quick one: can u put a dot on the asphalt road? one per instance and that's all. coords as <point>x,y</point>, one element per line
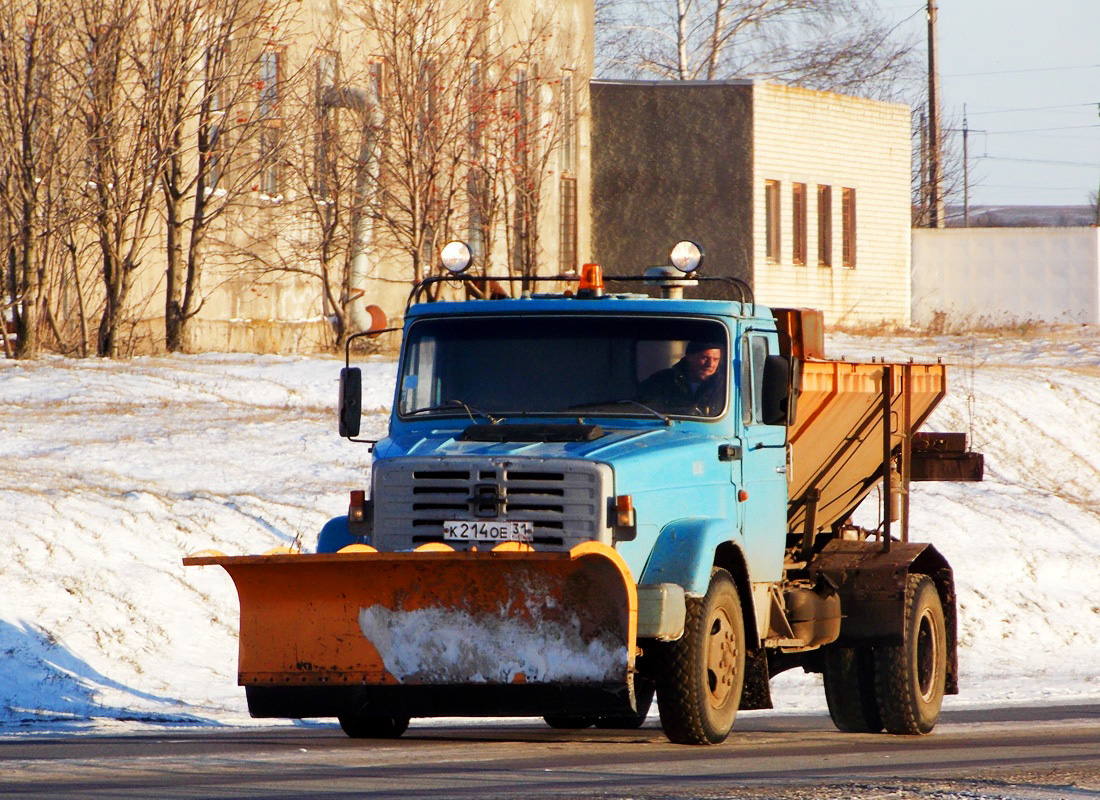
<point>1016,754</point>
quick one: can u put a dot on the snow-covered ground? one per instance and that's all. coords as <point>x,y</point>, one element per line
<point>111,472</point>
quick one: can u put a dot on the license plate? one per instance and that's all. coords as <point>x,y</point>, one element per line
<point>483,531</point>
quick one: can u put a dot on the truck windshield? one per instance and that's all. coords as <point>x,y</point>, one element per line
<point>570,366</point>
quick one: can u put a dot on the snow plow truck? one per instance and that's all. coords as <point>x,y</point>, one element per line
<point>566,517</point>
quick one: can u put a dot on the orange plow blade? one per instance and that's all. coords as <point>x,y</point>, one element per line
<point>435,632</point>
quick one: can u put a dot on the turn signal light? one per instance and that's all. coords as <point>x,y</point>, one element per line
<point>355,507</point>
<point>624,511</point>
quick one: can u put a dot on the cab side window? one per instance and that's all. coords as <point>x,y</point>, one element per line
<point>754,352</point>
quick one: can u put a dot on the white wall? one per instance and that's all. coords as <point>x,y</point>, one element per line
<point>993,276</point>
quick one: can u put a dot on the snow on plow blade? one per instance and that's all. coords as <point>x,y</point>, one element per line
<point>435,632</point>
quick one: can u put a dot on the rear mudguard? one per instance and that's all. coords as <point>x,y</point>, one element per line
<point>435,632</point>
<point>871,583</point>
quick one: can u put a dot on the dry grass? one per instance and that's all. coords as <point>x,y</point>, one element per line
<point>941,325</point>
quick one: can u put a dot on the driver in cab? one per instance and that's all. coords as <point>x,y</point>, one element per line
<point>693,385</point>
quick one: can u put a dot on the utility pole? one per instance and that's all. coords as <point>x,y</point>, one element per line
<point>966,172</point>
<point>923,219</point>
<point>935,144</point>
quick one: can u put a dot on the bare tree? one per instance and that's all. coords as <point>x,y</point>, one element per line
<point>218,129</point>
<point>837,45</point>
<point>429,52</point>
<point>31,36</point>
<point>115,107</point>
<point>432,123</point>
<point>334,163</point>
<point>951,168</point>
<point>543,103</point>
<point>514,133</point>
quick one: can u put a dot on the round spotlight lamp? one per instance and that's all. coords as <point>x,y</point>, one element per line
<point>687,256</point>
<point>456,257</point>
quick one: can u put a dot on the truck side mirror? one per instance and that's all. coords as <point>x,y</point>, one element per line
<point>775,405</point>
<point>351,400</point>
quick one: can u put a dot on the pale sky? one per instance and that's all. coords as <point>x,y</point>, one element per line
<point>1029,74</point>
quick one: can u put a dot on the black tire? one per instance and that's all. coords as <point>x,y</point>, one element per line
<point>849,676</point>
<point>567,723</point>
<point>643,697</point>
<point>701,675</point>
<point>360,727</point>
<point>909,678</point>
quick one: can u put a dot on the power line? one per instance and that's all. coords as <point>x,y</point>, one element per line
<point>1044,137</point>
<point>918,11</point>
<point>1034,188</point>
<point>1015,71</point>
<point>1034,108</point>
<point>1045,130</point>
<point>1042,161</point>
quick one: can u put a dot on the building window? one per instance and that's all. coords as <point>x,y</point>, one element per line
<point>271,177</point>
<point>477,180</point>
<point>376,75</point>
<point>848,227</point>
<point>567,244</point>
<point>475,224</point>
<point>213,145</point>
<point>271,76</point>
<point>568,123</point>
<point>216,154</point>
<point>327,64</point>
<point>798,228</point>
<point>328,122</point>
<point>523,214</point>
<point>771,220</point>
<point>270,86</point>
<point>825,226</point>
<point>478,111</point>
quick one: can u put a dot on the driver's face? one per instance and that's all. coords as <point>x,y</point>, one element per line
<point>703,364</point>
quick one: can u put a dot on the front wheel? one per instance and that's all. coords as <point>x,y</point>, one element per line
<point>569,723</point>
<point>910,677</point>
<point>361,727</point>
<point>700,676</point>
<point>643,698</point>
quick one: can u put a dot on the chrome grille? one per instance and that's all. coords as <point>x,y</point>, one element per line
<point>566,500</point>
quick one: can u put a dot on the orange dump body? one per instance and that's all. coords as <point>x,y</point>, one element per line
<point>837,442</point>
<point>436,618</point>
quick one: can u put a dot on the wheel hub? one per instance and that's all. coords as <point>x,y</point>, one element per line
<point>721,658</point>
<point>927,656</point>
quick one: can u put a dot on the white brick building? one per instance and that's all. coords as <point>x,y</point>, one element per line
<point>804,194</point>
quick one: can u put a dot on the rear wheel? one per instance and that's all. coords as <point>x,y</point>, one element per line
<point>910,677</point>
<point>849,676</point>
<point>701,675</point>
<point>361,727</point>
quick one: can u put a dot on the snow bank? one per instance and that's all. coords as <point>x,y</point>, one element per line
<point>113,471</point>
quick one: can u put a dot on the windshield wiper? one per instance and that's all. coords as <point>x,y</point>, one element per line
<point>597,403</point>
<point>450,405</point>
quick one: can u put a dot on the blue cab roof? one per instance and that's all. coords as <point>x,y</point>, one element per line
<point>608,304</point>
